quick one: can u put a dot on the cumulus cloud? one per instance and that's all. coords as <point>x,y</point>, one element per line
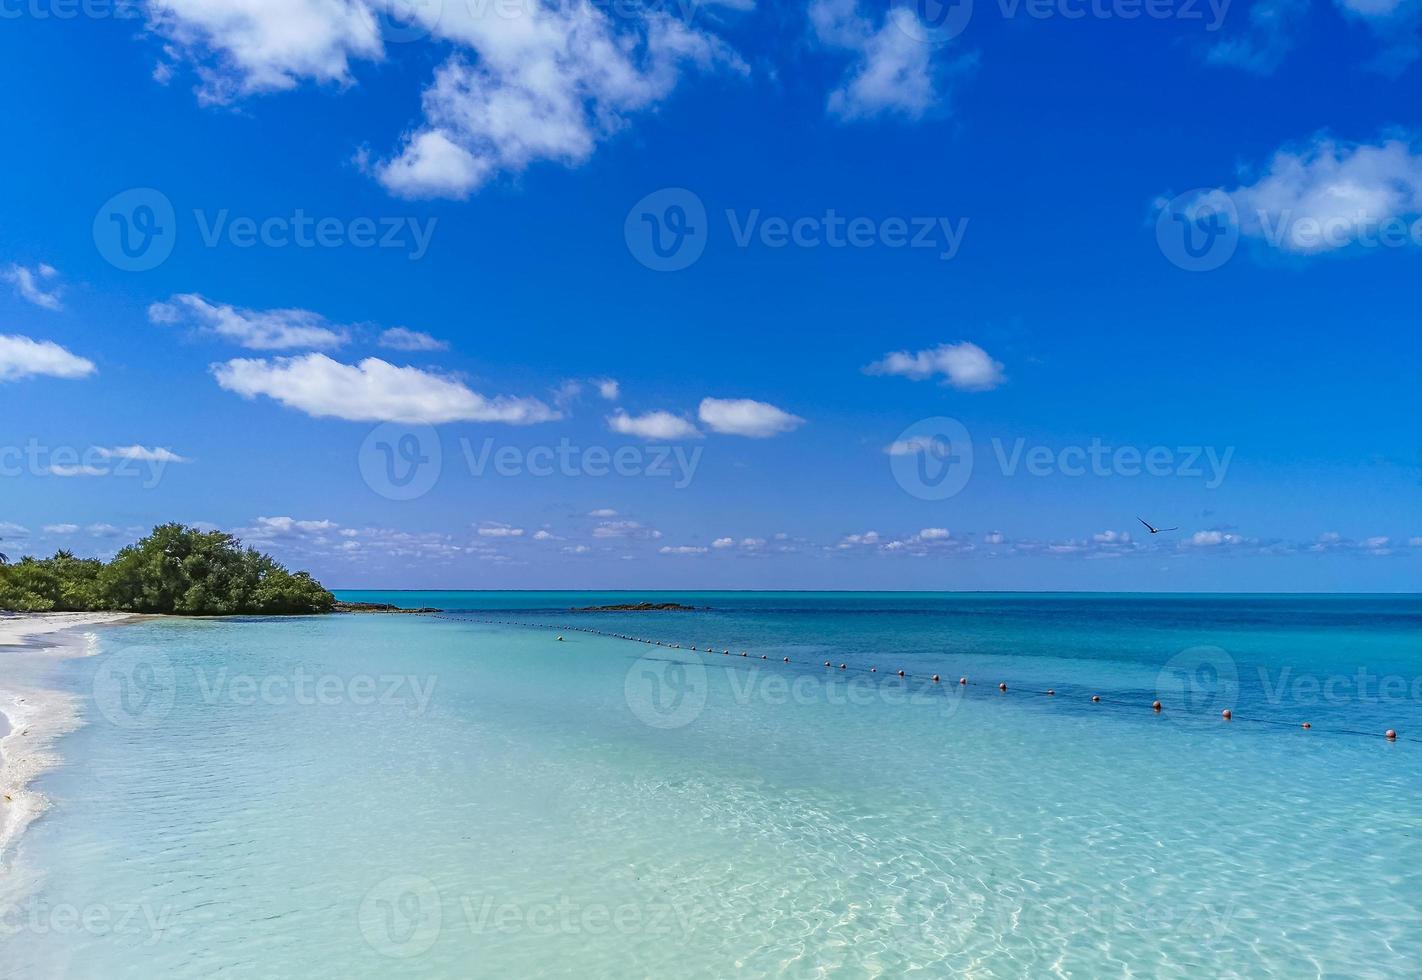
<point>252,329</point>
<point>247,46</point>
<point>602,512</point>
<point>919,446</point>
<point>1329,195</point>
<point>625,529</point>
<point>681,550</point>
<point>399,338</point>
<point>867,539</point>
<point>371,391</point>
<point>608,389</point>
<point>744,417</point>
<point>31,284</point>
<point>652,425</point>
<point>545,535</point>
<point>893,72</point>
<point>547,85</point>
<point>142,454</point>
<point>61,529</point>
<point>724,543</point>
<point>22,357</point>
<point>493,529</point>
<point>964,366</point>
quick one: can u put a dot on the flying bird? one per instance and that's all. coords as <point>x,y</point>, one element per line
<point>1157,530</point>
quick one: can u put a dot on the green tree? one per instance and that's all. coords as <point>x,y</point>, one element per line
<point>176,569</point>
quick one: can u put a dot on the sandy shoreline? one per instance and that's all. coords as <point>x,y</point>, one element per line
<point>35,718</point>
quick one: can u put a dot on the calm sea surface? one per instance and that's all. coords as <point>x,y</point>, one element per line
<point>469,796</point>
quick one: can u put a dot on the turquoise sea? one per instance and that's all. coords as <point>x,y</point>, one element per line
<point>470,796</point>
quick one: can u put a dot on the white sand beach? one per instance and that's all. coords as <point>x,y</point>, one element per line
<point>34,718</point>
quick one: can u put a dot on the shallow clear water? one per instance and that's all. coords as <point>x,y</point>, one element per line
<point>392,796</point>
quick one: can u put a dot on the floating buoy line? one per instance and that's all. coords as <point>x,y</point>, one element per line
<point>1227,715</point>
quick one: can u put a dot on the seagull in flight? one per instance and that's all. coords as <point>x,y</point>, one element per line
<point>1157,530</point>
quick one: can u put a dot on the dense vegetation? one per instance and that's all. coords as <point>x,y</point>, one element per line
<point>175,569</point>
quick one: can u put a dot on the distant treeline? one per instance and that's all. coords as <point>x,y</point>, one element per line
<point>176,570</point>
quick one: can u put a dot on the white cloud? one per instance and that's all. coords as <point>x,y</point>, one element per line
<point>29,283</point>
<point>724,543</point>
<point>399,338</point>
<point>652,425</point>
<point>142,454</point>
<point>545,536</point>
<point>964,366</point>
<point>681,550</point>
<point>1329,195</point>
<point>61,528</point>
<point>21,357</point>
<point>1415,542</point>
<point>433,165</point>
<point>1273,26</point>
<point>867,539</point>
<point>284,526</point>
<point>546,85</point>
<point>625,529</point>
<point>372,391</point>
<point>252,329</point>
<point>895,70</point>
<point>247,46</point>
<point>919,446</point>
<point>602,512</point>
<point>744,417</point>
<point>493,529</point>
<point>752,544</point>
<point>576,549</point>
<point>608,388</point>
<point>8,530</point>
<point>104,530</point>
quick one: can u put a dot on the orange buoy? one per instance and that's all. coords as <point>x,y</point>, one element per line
<point>1391,735</point>
<point>1226,714</point>
<point>1002,687</point>
<point>1155,706</point>
<point>935,678</point>
<point>1096,697</point>
<point>1306,725</point>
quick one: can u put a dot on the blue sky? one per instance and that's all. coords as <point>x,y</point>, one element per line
<point>749,247</point>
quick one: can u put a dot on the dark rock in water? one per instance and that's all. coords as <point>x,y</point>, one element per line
<point>638,607</point>
<point>380,607</point>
